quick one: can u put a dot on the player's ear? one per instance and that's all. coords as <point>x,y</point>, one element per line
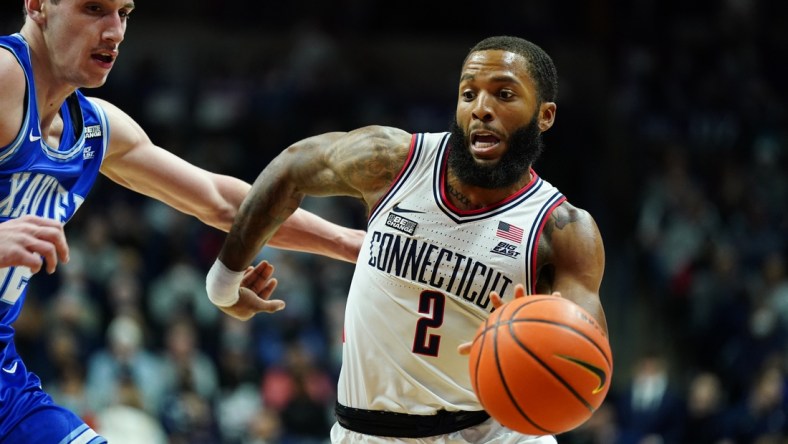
<point>35,10</point>
<point>546,115</point>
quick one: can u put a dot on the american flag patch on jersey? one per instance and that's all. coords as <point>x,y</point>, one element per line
<point>509,232</point>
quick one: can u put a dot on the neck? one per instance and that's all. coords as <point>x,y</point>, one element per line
<point>51,91</point>
<point>470,197</point>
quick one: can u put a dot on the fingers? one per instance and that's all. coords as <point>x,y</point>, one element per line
<point>27,259</point>
<point>268,289</point>
<point>39,249</point>
<point>256,278</point>
<point>250,303</point>
<point>259,281</point>
<point>519,291</point>
<point>496,299</point>
<point>465,349</point>
<point>256,303</point>
<point>271,306</point>
<point>263,270</point>
<point>31,241</point>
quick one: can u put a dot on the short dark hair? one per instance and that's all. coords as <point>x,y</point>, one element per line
<point>540,65</point>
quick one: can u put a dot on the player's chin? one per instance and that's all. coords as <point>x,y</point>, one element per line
<point>489,156</point>
<point>487,162</point>
<point>92,83</point>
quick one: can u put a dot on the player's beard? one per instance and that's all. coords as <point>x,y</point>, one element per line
<point>524,147</point>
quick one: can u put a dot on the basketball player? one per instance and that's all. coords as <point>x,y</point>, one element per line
<point>453,218</point>
<point>53,143</point>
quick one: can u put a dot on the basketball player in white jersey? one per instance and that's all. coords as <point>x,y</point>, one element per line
<point>54,141</point>
<point>453,217</point>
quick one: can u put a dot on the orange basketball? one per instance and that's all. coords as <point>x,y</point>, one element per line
<point>540,365</point>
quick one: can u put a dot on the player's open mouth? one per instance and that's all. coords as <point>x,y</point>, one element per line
<point>105,58</point>
<point>483,142</point>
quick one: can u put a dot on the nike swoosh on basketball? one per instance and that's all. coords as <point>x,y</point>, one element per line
<point>397,209</point>
<point>598,372</point>
<point>11,370</point>
<point>33,138</point>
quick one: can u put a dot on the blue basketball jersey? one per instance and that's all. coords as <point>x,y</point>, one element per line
<point>46,181</point>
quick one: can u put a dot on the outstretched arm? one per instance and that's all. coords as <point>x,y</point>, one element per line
<point>136,163</point>
<point>572,260</point>
<point>361,163</point>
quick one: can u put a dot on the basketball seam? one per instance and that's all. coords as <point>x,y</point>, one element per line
<point>506,385</point>
<point>566,327</point>
<point>550,370</point>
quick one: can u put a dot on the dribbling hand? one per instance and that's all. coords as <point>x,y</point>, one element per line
<point>256,289</point>
<point>519,292</point>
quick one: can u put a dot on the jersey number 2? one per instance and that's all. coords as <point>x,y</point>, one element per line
<point>432,305</point>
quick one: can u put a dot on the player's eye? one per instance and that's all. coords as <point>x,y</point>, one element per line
<point>468,95</point>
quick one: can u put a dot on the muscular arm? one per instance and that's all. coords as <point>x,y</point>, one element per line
<point>136,163</point>
<point>12,97</point>
<point>361,163</point>
<point>572,259</point>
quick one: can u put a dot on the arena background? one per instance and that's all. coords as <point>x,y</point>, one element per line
<point>671,131</point>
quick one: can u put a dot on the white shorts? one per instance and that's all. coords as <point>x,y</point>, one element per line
<point>488,432</point>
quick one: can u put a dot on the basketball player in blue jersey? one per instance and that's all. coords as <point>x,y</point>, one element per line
<point>54,142</point>
<point>457,222</point>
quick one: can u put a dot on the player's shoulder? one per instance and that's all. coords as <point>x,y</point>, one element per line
<point>116,117</point>
<point>12,96</point>
<point>12,76</point>
<point>568,216</point>
<point>572,231</point>
<point>106,106</point>
<point>377,139</point>
<point>568,211</point>
<point>381,134</point>
<point>8,62</point>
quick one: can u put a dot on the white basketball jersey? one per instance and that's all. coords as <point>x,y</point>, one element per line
<point>422,283</point>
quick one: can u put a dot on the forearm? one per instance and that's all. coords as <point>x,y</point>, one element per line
<point>307,232</point>
<point>271,200</point>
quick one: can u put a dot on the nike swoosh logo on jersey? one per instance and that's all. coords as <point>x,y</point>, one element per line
<point>397,209</point>
<point>11,370</point>
<point>33,138</point>
<point>598,372</point>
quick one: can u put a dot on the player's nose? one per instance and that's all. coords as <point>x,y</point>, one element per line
<point>482,109</point>
<point>114,30</point>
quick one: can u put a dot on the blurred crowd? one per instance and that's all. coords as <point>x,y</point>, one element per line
<point>671,131</point>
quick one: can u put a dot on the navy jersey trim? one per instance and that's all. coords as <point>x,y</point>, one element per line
<point>68,119</point>
<point>414,156</point>
<point>534,234</point>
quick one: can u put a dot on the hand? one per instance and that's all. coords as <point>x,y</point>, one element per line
<point>30,240</point>
<point>256,287</point>
<point>519,292</point>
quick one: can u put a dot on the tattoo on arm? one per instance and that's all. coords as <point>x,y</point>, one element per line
<point>564,218</point>
<point>559,219</point>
